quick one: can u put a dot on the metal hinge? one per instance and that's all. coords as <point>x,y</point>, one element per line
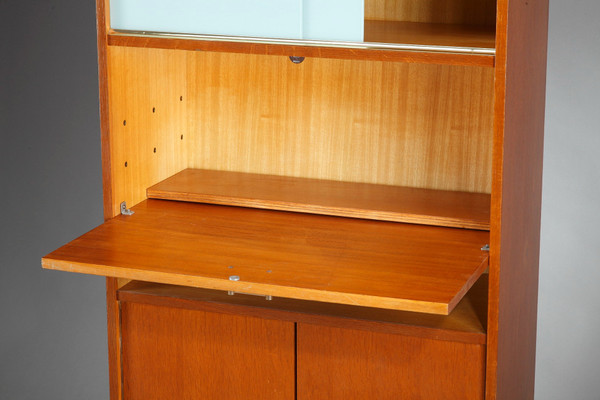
<point>125,210</point>
<point>236,278</point>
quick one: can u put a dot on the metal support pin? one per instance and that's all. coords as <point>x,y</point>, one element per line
<point>486,247</point>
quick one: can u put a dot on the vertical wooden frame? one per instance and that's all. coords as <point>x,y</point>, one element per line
<point>102,26</point>
<point>521,49</point>
<point>112,285</point>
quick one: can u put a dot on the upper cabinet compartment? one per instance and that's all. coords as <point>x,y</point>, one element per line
<point>282,19</point>
<point>338,20</point>
<point>447,27</point>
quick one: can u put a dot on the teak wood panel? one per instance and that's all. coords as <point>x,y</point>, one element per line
<point>331,259</point>
<point>173,353</point>
<point>346,364</point>
<point>429,34</point>
<point>346,199</point>
<point>465,324</point>
<point>465,12</point>
<point>427,126</point>
<point>516,198</point>
<point>148,120</point>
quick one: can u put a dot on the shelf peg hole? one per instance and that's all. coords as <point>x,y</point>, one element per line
<point>153,109</point>
<point>125,164</point>
<point>155,149</point>
<point>124,122</point>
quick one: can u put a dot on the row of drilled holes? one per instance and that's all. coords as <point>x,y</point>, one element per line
<point>153,111</point>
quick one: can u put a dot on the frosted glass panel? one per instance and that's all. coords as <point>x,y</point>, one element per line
<point>341,20</point>
<point>287,19</point>
<point>260,18</point>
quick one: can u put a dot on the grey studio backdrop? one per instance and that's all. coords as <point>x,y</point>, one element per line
<point>52,324</point>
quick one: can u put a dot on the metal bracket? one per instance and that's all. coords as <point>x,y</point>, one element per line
<point>486,247</point>
<point>125,210</point>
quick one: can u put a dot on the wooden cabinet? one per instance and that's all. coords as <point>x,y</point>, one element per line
<point>177,353</point>
<point>342,363</point>
<point>323,219</point>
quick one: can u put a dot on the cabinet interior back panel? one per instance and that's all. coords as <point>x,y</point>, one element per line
<point>467,12</point>
<point>427,126</point>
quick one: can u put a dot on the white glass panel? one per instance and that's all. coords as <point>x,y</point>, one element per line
<point>258,18</point>
<point>286,19</point>
<point>341,20</point>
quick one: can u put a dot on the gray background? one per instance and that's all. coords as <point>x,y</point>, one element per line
<point>52,324</point>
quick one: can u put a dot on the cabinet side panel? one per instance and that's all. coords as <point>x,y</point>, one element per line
<point>346,364</point>
<point>173,353</point>
<point>101,27</point>
<point>113,314</point>
<point>516,197</point>
<point>348,120</point>
<point>148,119</point>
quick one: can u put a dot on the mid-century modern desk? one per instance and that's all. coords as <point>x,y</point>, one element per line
<point>292,213</point>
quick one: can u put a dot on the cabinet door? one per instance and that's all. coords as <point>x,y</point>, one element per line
<point>336,363</point>
<point>174,353</point>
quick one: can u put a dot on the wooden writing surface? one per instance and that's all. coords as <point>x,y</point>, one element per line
<point>331,259</point>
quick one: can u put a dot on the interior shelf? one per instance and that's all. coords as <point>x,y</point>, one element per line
<point>469,38</point>
<point>303,256</point>
<point>346,199</point>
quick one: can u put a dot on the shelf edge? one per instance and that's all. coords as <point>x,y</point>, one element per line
<point>252,288</point>
<point>301,49</point>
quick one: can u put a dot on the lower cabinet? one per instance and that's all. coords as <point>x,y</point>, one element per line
<point>185,344</point>
<point>340,363</point>
<point>179,354</point>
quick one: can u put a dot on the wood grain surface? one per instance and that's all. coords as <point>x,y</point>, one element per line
<point>426,126</point>
<point>171,353</point>
<point>346,199</point>
<point>516,198</point>
<point>113,324</point>
<point>469,36</point>
<point>347,364</point>
<point>102,25</point>
<point>148,121</point>
<point>465,324</point>
<point>330,259</point>
<point>464,12</point>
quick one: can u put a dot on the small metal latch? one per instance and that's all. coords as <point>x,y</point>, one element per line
<point>486,247</point>
<point>296,60</point>
<point>125,210</point>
